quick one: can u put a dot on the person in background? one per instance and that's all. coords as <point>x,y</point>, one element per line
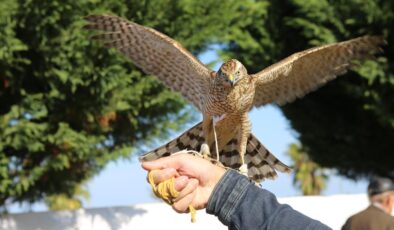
<point>232,197</point>
<point>378,214</point>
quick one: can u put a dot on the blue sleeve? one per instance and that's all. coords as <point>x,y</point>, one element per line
<point>240,204</point>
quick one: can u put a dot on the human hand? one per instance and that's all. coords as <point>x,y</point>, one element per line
<point>195,178</point>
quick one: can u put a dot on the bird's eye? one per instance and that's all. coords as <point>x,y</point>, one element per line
<point>237,73</point>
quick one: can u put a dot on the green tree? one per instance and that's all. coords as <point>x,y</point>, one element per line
<point>309,177</point>
<point>62,201</point>
<point>347,124</point>
<point>69,106</point>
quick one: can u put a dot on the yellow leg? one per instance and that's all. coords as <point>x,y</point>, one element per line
<point>210,135</point>
<point>243,141</point>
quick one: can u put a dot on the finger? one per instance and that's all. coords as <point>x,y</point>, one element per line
<point>164,162</point>
<point>182,206</point>
<point>190,187</point>
<point>181,182</point>
<point>163,175</point>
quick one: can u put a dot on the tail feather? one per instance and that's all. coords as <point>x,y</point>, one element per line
<point>261,162</point>
<point>192,139</point>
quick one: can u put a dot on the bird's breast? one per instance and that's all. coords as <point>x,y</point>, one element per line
<point>237,100</point>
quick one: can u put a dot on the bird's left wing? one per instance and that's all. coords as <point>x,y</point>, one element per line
<point>305,71</point>
<point>156,54</point>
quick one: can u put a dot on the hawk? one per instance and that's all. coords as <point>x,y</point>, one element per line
<point>225,97</point>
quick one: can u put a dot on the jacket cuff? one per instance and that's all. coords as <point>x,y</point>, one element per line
<point>227,195</point>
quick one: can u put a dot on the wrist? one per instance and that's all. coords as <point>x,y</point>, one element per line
<point>218,174</point>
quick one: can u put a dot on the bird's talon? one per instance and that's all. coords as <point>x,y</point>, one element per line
<point>244,169</point>
<point>204,151</point>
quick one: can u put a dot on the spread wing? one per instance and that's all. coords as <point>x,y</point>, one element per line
<point>305,71</point>
<point>155,53</point>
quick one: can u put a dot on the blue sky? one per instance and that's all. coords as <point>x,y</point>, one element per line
<point>124,183</point>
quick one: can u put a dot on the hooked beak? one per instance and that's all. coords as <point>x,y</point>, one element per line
<point>231,79</point>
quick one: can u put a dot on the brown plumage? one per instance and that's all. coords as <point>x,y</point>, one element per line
<point>225,97</point>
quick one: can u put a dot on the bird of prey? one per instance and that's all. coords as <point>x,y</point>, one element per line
<point>225,97</point>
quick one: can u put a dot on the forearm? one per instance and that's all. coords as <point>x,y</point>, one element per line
<point>240,204</point>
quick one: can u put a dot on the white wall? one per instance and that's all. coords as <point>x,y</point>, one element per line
<point>331,210</point>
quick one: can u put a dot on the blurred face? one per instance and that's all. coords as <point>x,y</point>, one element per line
<point>386,201</point>
<point>390,203</point>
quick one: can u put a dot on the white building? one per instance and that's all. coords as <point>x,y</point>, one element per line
<point>331,210</point>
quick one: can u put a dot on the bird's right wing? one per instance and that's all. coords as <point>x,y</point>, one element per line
<point>156,54</point>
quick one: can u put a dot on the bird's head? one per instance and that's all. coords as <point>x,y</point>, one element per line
<point>231,72</point>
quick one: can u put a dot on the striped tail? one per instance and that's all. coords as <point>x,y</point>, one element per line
<point>192,139</point>
<point>261,162</point>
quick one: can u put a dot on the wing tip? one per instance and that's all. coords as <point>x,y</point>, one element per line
<point>374,42</point>
<point>94,17</point>
<point>94,20</point>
